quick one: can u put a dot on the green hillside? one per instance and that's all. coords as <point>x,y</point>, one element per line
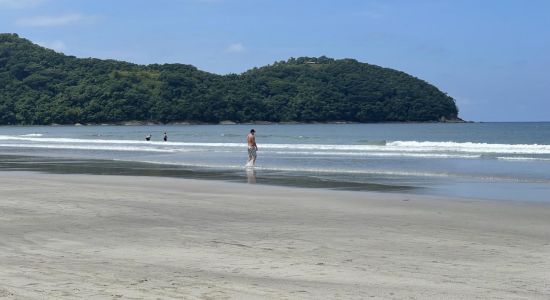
<point>41,86</point>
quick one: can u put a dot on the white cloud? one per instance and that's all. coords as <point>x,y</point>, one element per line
<point>20,3</point>
<point>58,46</point>
<point>235,48</point>
<point>50,21</point>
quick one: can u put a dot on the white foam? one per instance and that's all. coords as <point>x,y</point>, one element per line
<point>187,164</point>
<point>414,148</point>
<point>308,170</point>
<point>519,158</point>
<point>382,154</point>
<point>32,135</point>
<point>469,147</point>
<point>97,147</point>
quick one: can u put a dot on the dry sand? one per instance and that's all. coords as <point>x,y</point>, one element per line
<point>109,237</point>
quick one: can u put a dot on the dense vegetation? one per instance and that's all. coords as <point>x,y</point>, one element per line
<point>41,86</point>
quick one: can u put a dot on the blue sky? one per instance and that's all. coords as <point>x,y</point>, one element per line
<point>492,56</point>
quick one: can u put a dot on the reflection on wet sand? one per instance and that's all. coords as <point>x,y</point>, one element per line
<point>251,175</point>
<point>109,167</point>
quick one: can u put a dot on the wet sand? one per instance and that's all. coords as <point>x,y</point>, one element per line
<point>127,237</point>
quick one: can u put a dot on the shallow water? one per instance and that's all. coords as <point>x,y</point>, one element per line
<point>508,161</point>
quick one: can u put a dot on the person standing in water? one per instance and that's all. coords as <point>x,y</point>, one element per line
<point>252,148</point>
<point>165,137</point>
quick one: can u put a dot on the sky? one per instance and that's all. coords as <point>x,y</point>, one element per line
<point>491,56</point>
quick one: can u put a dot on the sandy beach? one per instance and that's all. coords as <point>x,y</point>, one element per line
<point>123,237</point>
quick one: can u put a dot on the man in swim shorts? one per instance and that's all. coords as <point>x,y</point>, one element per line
<point>252,147</point>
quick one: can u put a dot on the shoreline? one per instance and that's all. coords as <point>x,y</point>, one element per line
<point>144,123</point>
<point>257,176</point>
<point>68,166</point>
<point>148,123</point>
<point>100,236</point>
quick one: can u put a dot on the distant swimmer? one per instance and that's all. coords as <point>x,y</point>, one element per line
<point>165,138</point>
<point>252,148</point>
<point>148,137</point>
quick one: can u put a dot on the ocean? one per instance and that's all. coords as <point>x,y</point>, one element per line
<point>499,161</point>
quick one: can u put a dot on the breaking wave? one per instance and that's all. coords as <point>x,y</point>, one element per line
<point>394,148</point>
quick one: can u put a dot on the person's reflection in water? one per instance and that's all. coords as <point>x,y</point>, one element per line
<point>251,175</point>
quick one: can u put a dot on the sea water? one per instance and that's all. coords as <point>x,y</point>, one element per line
<point>506,161</point>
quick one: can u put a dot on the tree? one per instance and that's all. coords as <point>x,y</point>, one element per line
<point>40,86</point>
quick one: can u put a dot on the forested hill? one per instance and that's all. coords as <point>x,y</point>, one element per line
<point>41,86</point>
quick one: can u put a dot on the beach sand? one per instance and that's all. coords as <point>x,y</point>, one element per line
<point>122,237</point>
